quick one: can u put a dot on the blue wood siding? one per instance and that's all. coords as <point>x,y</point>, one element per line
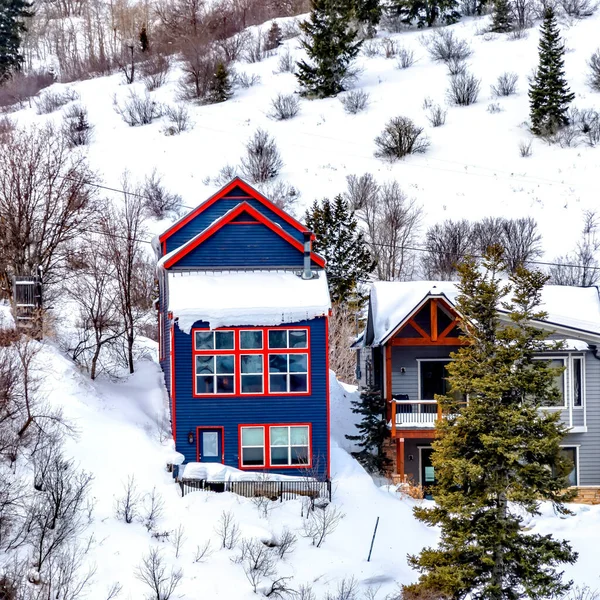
<point>165,333</point>
<point>218,209</point>
<point>230,412</point>
<point>243,246</point>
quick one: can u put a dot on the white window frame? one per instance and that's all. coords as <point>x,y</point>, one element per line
<point>262,391</point>
<point>262,339</point>
<point>214,374</point>
<point>289,446</point>
<point>577,452</point>
<point>419,448</point>
<point>571,369</point>
<point>419,361</point>
<point>263,446</point>
<point>288,372</point>
<point>287,337</point>
<point>566,381</point>
<point>214,349</point>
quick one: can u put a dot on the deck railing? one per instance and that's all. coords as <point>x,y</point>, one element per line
<point>408,414</point>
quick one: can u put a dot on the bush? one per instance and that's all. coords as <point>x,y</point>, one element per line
<point>406,58</point>
<point>179,119</point>
<point>389,48</point>
<point>399,138</point>
<point>245,80</point>
<point>463,90</point>
<point>158,202</point>
<point>155,70</point>
<point>594,76</point>
<point>443,46</point>
<point>506,85</point>
<point>370,48</point>
<point>456,66</point>
<point>579,8</point>
<point>525,148</point>
<point>494,108</point>
<point>48,102</point>
<point>588,123</point>
<point>362,191</point>
<point>20,88</point>
<point>354,101</point>
<point>200,67</point>
<point>262,161</point>
<point>138,110</point>
<point>436,115</point>
<point>76,127</point>
<point>280,193</point>
<point>286,63</point>
<point>255,48</point>
<point>284,106</point>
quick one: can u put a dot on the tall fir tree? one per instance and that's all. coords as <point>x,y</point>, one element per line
<point>497,457</point>
<point>549,94</point>
<point>221,88</point>
<point>12,27</point>
<point>368,14</point>
<point>341,243</point>
<point>372,431</point>
<point>426,13</point>
<point>502,19</point>
<point>331,44</point>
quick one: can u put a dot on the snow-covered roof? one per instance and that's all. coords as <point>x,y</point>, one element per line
<point>237,298</point>
<point>568,307</point>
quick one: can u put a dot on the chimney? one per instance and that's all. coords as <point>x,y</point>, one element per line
<point>307,273</point>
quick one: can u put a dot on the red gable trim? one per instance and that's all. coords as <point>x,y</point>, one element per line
<point>227,218</point>
<point>252,194</point>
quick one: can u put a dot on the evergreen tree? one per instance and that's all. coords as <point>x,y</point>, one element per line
<point>341,243</point>
<point>497,457</point>
<point>12,27</point>
<point>220,88</point>
<point>549,95</point>
<point>144,42</point>
<point>274,37</point>
<point>502,20</point>
<point>368,13</point>
<point>331,44</point>
<point>373,431</point>
<point>426,12</point>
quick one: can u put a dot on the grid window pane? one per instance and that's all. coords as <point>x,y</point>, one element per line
<point>225,384</point>
<point>577,382</point>
<point>279,455</point>
<point>204,340</point>
<point>279,436</point>
<point>298,363</point>
<point>299,455</point>
<point>225,364</point>
<point>253,457</point>
<point>253,436</point>
<point>252,384</point>
<point>252,363</point>
<point>278,338</point>
<point>278,383</point>
<point>205,385</point>
<point>224,340</point>
<point>298,338</point>
<point>299,436</point>
<point>278,363</point>
<point>298,383</point>
<point>571,454</point>
<point>205,364</point>
<point>250,340</point>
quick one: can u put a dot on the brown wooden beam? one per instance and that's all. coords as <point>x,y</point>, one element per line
<point>388,372</point>
<point>428,433</point>
<point>419,329</point>
<point>434,321</point>
<point>400,458</point>
<point>447,341</point>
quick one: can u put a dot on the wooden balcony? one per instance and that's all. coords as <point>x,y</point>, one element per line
<point>407,415</point>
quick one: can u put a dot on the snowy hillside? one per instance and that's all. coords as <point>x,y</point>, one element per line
<point>118,437</point>
<point>472,169</point>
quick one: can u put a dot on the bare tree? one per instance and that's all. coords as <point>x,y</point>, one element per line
<point>521,242</point>
<point>392,222</point>
<point>153,572</point>
<point>447,244</point>
<point>262,161</point>
<point>45,202</point>
<point>178,540</point>
<point>257,560</point>
<point>127,505</point>
<point>362,190</point>
<point>202,552</point>
<point>342,331</point>
<point>227,530</point>
<point>286,543</point>
<point>153,508</point>
<point>321,523</point>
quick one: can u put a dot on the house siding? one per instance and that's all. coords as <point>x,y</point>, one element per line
<point>217,210</point>
<point>231,412</point>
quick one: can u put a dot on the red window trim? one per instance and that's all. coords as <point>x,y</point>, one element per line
<point>267,446</point>
<point>222,429</point>
<point>264,351</point>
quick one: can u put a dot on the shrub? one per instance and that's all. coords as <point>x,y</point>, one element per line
<point>579,8</point>
<point>389,48</point>
<point>232,47</point>
<point>48,102</point>
<point>7,126</point>
<point>456,66</point>
<point>138,110</point>
<point>284,106</point>
<point>255,48</point>
<point>494,108</point>
<point>594,75</point>
<point>361,191</point>
<point>155,70</point>
<point>354,101</point>
<point>280,193</point>
<point>463,90</point>
<point>371,48</point>
<point>153,572</point>
<point>262,161</point>
<point>505,85</point>
<point>406,58</point>
<point>158,202</point>
<point>443,46</point>
<point>436,115</point>
<point>399,138</point>
<point>199,68</point>
<point>588,123</point>
<point>525,148</point>
<point>179,119</point>
<point>76,127</point>
<point>246,80</point>
<point>286,63</point>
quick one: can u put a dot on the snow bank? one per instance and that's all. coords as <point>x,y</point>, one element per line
<point>228,299</point>
<point>6,318</point>
<point>219,472</point>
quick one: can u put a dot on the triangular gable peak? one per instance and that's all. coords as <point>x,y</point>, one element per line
<point>243,214</point>
<point>434,322</point>
<point>246,193</point>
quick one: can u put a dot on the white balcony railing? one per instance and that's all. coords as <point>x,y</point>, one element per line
<point>415,413</point>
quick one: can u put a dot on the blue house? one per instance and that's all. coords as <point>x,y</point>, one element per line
<point>243,326</point>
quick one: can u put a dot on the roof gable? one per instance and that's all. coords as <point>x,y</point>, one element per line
<point>242,216</point>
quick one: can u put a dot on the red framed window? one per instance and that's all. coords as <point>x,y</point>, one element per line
<point>275,446</point>
<point>262,361</point>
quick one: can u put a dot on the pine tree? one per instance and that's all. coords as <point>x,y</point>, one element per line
<point>331,44</point>
<point>502,20</point>
<point>12,27</point>
<point>549,95</point>
<point>341,243</point>
<point>274,37</point>
<point>368,13</point>
<point>144,42</point>
<point>426,12</point>
<point>221,88</point>
<point>373,431</point>
<point>497,457</point>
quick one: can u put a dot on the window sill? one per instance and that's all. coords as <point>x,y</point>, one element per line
<point>578,429</point>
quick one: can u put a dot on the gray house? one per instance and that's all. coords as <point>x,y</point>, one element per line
<point>411,331</point>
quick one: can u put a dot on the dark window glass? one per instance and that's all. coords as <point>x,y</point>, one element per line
<point>299,455</point>
<point>252,363</point>
<point>205,385</point>
<point>571,454</point>
<point>252,457</point>
<point>278,338</point>
<point>224,340</point>
<point>251,340</point>
<point>279,455</point>
<point>225,364</point>
<point>298,363</point>
<point>205,364</point>
<point>204,340</point>
<point>298,383</point>
<point>577,382</point>
<point>433,379</point>
<point>225,384</point>
<point>298,339</point>
<point>252,384</point>
<point>278,363</point>
<point>278,383</point>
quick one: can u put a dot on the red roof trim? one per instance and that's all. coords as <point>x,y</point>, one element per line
<point>252,194</point>
<point>227,218</point>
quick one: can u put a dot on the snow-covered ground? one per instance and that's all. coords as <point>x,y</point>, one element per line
<point>472,169</point>
<point>118,436</point>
